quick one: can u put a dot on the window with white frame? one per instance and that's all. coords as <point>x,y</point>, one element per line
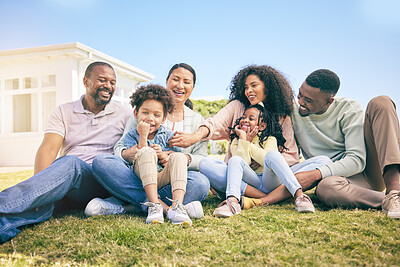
<point>27,103</point>
<point>122,94</point>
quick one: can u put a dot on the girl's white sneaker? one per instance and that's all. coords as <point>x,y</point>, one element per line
<point>304,204</point>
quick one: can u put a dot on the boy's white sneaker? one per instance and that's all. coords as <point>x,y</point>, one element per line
<point>177,215</point>
<point>154,213</point>
<point>194,209</point>
<point>108,206</point>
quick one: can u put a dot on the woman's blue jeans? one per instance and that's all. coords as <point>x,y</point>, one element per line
<point>112,173</point>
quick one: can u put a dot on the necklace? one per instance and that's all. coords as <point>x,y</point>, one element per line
<point>176,117</point>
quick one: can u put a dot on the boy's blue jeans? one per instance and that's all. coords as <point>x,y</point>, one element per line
<point>112,173</point>
<point>32,201</point>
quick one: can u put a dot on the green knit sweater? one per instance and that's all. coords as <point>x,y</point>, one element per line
<point>338,134</point>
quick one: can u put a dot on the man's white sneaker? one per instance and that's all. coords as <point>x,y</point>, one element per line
<point>108,206</point>
<point>177,214</point>
<point>304,204</point>
<point>154,213</point>
<point>194,210</point>
<point>391,204</point>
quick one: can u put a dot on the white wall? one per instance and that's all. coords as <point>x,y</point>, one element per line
<point>19,149</point>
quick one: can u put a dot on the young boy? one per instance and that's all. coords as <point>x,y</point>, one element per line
<point>151,104</point>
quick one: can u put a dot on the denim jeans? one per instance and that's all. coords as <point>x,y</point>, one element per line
<point>122,183</point>
<point>234,177</point>
<point>33,200</point>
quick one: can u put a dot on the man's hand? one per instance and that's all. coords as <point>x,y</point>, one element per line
<point>47,151</point>
<point>308,179</point>
<point>129,154</point>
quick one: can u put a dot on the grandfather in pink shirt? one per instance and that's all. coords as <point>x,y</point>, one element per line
<point>79,130</point>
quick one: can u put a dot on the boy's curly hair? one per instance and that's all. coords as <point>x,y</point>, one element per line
<point>153,92</point>
<point>279,95</point>
<point>273,127</point>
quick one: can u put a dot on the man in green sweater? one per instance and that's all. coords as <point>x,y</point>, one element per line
<point>365,151</point>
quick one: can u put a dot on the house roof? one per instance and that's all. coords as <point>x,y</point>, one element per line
<point>76,50</point>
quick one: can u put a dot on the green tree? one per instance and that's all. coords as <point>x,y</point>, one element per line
<point>208,108</point>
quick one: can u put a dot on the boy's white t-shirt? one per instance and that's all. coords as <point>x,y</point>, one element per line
<point>170,125</point>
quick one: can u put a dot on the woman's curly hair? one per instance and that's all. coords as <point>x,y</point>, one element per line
<point>279,95</point>
<point>273,127</point>
<point>153,92</point>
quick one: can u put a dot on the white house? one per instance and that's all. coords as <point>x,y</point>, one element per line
<point>33,81</point>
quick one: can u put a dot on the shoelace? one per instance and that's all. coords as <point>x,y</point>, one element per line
<point>396,200</point>
<point>304,197</point>
<point>178,206</point>
<point>111,207</point>
<point>153,207</point>
<point>229,203</point>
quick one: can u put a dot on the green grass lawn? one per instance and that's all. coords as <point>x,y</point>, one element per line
<point>272,235</point>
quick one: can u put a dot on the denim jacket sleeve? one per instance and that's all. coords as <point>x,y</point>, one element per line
<point>162,137</point>
<point>131,139</point>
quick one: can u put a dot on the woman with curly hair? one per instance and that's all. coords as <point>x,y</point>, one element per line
<point>277,95</point>
<point>252,85</point>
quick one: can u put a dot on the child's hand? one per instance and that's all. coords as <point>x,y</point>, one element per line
<point>156,147</point>
<point>240,133</point>
<point>163,157</point>
<point>250,135</point>
<point>143,129</point>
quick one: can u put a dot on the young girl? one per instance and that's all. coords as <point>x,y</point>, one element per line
<point>256,160</point>
<point>151,104</point>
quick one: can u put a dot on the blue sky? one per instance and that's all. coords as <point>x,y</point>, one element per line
<point>357,39</point>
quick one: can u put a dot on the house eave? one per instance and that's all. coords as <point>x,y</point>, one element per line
<point>74,50</point>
